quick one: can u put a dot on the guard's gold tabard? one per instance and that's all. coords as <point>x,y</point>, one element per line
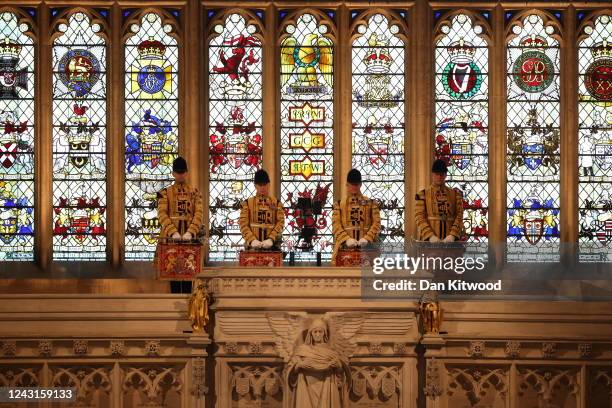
<point>261,217</point>
<point>439,212</point>
<point>179,209</point>
<point>355,217</point>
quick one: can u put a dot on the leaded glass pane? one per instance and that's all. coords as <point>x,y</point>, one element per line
<point>533,141</point>
<point>151,129</point>
<point>79,141</point>
<point>595,140</point>
<point>462,119</point>
<point>235,135</point>
<point>307,84</point>
<point>378,109</point>
<point>16,140</point>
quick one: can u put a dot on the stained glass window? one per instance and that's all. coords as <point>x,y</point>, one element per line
<point>235,136</point>
<point>533,141</point>
<point>595,140</point>
<point>462,120</point>
<point>79,141</point>
<point>151,128</point>
<point>307,80</point>
<point>16,139</point>
<point>378,119</point>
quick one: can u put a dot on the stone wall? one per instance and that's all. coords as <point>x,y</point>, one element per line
<point>137,350</point>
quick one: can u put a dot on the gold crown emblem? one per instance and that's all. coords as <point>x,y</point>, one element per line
<point>151,138</point>
<point>461,52</point>
<point>151,49</point>
<point>8,138</point>
<point>79,132</point>
<point>79,137</point>
<point>236,88</point>
<point>377,59</point>
<point>9,49</point>
<point>534,42</point>
<point>378,138</point>
<point>235,139</point>
<point>602,50</point>
<point>146,136</point>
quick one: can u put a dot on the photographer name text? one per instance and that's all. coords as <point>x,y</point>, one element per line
<point>427,284</point>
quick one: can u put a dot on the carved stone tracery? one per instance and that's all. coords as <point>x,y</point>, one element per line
<point>477,385</point>
<point>151,385</point>
<point>548,386</point>
<point>375,382</point>
<point>257,381</point>
<point>92,385</point>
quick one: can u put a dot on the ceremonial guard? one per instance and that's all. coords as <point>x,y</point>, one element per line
<point>262,217</point>
<point>439,209</point>
<point>179,206</point>
<point>356,219</point>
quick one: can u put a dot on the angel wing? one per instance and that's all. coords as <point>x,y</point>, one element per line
<point>326,61</point>
<point>343,327</point>
<point>286,328</point>
<point>287,60</point>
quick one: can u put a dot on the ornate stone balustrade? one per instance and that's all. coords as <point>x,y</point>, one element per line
<point>132,350</point>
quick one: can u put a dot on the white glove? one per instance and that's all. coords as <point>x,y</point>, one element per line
<point>267,243</point>
<point>433,238</point>
<point>363,242</point>
<point>256,244</point>
<point>449,238</point>
<point>187,236</point>
<point>351,243</point>
<point>176,235</point>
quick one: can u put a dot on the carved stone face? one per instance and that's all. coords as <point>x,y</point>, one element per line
<point>317,335</point>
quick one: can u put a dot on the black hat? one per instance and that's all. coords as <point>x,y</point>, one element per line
<point>353,177</point>
<point>179,165</point>
<point>439,166</point>
<point>261,177</point>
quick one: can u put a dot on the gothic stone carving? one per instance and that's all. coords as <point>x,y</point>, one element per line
<point>88,382</point>
<point>477,348</point>
<point>477,386</point>
<point>599,388</point>
<point>513,349</point>
<point>375,382</point>
<point>255,382</point>
<point>255,348</point>
<point>324,343</point>
<point>117,347</point>
<point>45,348</point>
<point>375,348</point>
<point>199,388</point>
<point>153,386</point>
<point>18,376</point>
<point>400,348</point>
<point>302,287</point>
<point>230,347</point>
<point>152,347</point>
<point>549,386</point>
<point>432,387</point>
<point>79,347</point>
<point>549,349</point>
<point>9,348</point>
<point>585,350</point>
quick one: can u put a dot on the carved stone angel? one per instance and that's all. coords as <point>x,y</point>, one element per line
<point>317,352</point>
